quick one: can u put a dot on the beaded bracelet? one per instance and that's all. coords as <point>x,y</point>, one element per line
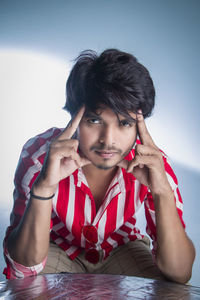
<point>41,198</point>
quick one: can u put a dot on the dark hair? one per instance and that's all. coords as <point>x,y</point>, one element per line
<point>114,79</point>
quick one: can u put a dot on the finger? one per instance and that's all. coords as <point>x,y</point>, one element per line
<point>150,161</point>
<point>141,166</point>
<point>72,126</point>
<point>133,165</point>
<point>64,144</point>
<point>144,135</point>
<point>146,150</point>
<point>85,162</point>
<point>81,161</point>
<point>72,156</point>
<point>123,164</point>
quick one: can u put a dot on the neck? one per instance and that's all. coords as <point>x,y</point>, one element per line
<point>98,181</point>
<point>91,171</point>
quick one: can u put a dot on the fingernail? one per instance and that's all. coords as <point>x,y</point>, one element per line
<point>139,114</point>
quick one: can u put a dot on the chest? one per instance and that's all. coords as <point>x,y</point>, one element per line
<point>99,192</point>
<point>100,186</point>
<point>77,203</point>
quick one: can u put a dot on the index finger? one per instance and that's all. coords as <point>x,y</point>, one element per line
<point>123,164</point>
<point>143,132</point>
<point>72,126</point>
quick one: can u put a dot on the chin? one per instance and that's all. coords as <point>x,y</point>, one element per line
<point>103,166</point>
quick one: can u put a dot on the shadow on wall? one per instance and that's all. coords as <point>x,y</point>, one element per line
<point>189,187</point>
<point>188,184</point>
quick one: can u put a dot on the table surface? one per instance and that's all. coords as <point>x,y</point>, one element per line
<point>94,286</point>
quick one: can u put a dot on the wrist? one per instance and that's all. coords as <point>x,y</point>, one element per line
<point>164,192</point>
<point>41,197</point>
<point>41,190</point>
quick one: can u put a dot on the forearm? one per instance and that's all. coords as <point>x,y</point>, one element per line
<point>28,243</point>
<point>175,251</point>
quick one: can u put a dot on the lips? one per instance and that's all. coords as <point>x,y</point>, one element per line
<point>106,154</point>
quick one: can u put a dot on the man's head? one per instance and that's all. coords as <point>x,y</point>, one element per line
<point>112,87</point>
<point>113,79</point>
<point>106,138</point>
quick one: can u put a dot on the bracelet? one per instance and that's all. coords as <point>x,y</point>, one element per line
<point>41,198</point>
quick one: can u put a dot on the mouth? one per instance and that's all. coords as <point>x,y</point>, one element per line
<point>106,154</point>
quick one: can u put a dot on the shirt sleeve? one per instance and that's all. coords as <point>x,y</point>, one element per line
<point>15,270</point>
<point>149,204</point>
<point>29,167</point>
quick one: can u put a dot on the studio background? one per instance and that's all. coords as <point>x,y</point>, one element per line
<point>40,39</point>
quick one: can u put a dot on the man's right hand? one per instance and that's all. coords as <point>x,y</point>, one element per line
<point>62,159</point>
<point>28,243</point>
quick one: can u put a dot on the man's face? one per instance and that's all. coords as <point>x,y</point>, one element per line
<point>106,138</point>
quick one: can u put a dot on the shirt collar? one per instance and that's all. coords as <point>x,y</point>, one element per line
<point>117,180</point>
<point>81,178</point>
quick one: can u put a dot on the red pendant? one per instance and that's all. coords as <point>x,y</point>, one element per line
<point>90,233</point>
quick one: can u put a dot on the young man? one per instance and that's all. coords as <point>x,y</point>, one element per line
<point>77,190</point>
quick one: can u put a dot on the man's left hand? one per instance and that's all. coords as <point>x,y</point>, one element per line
<point>147,165</point>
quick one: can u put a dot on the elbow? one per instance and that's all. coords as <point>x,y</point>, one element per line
<point>179,278</point>
<point>25,258</point>
<point>24,254</point>
<point>176,273</point>
<point>177,268</point>
<point>31,262</point>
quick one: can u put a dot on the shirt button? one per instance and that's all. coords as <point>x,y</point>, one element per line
<point>92,255</point>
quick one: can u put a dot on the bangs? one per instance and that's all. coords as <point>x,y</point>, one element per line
<point>98,103</point>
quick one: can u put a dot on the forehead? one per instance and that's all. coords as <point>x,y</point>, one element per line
<point>106,112</point>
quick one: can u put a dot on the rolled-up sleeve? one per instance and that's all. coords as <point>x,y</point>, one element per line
<point>29,167</point>
<point>15,270</point>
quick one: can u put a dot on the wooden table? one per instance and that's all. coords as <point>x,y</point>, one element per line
<point>94,287</point>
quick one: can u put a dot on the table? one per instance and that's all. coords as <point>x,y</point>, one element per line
<point>93,287</point>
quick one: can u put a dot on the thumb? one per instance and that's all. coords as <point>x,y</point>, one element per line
<point>85,161</point>
<point>123,164</point>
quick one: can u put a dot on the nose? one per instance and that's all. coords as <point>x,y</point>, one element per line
<point>107,136</point>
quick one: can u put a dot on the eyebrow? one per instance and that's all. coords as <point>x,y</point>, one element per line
<point>91,114</point>
<point>128,119</point>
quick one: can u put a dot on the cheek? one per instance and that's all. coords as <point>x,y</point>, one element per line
<point>86,136</point>
<point>128,139</point>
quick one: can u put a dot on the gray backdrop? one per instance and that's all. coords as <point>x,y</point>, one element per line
<point>163,35</point>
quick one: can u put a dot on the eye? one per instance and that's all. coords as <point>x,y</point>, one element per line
<point>125,123</point>
<point>93,121</point>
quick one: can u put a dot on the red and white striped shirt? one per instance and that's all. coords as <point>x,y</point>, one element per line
<point>74,207</point>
